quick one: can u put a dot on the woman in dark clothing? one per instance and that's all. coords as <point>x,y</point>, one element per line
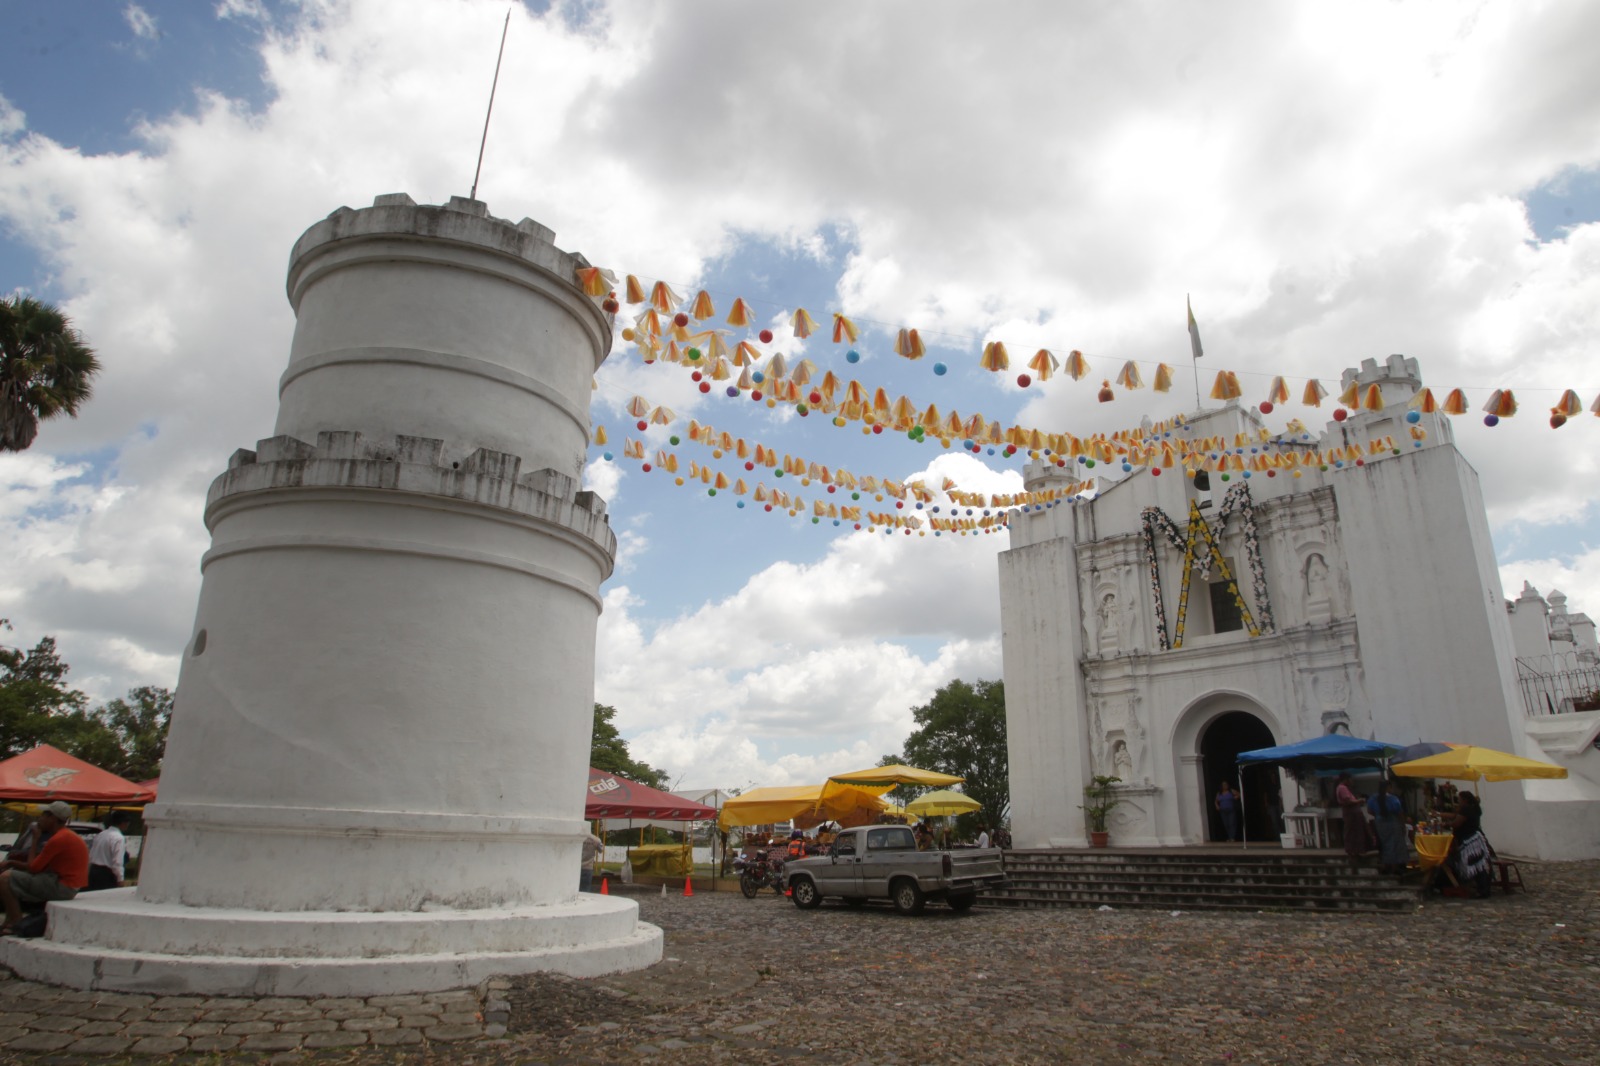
<point>1469,848</point>
<point>1356,843</point>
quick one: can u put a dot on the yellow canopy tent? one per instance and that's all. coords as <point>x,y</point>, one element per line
<point>1469,763</point>
<point>803,804</point>
<point>943,802</point>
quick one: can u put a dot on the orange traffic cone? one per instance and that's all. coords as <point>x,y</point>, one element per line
<point>688,886</point>
<point>605,886</point>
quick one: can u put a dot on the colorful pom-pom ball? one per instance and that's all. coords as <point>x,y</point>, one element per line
<point>1266,407</point>
<point>733,390</point>
<point>1024,380</point>
<point>680,319</point>
<point>852,356</point>
<point>768,506</point>
<point>1413,417</point>
<point>815,397</point>
<point>674,439</point>
<point>1155,471</point>
<point>627,334</point>
<point>645,468</point>
<point>1340,414</point>
<point>693,355</point>
<point>758,377</point>
<point>877,427</point>
<point>1272,473</point>
<point>739,503</point>
<point>833,488</point>
<point>678,481</point>
<point>940,369</point>
<point>642,424</point>
<point>1361,462</point>
<point>711,492</point>
<point>749,464</point>
<point>1491,420</point>
<point>705,386</point>
<point>755,394</point>
<point>610,306</point>
<point>1225,477</point>
<point>802,409</point>
<point>607,457</point>
<point>766,338</point>
<point>696,376</point>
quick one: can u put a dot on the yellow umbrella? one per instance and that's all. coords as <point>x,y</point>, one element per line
<point>943,802</point>
<point>880,779</point>
<point>1469,763</point>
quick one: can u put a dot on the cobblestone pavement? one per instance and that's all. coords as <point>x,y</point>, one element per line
<point>1508,980</point>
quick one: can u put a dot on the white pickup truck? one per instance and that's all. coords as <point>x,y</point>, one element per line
<point>882,862</point>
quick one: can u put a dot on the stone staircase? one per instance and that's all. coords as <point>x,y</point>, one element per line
<point>1196,879</point>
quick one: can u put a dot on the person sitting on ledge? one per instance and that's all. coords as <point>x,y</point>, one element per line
<point>56,873</point>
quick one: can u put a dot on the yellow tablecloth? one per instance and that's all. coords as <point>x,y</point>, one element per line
<point>1431,848</point>
<point>660,860</point>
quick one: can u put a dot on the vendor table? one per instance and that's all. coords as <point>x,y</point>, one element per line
<point>1309,826</point>
<point>1432,850</point>
<point>660,860</point>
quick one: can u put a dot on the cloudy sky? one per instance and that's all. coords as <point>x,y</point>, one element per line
<point>1329,182</point>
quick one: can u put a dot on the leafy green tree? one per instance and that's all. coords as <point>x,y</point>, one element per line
<point>138,726</point>
<point>609,752</point>
<point>45,369</point>
<point>962,731</point>
<point>35,701</point>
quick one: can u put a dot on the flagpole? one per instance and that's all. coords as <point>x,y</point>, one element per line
<point>1194,349</point>
<point>473,195</point>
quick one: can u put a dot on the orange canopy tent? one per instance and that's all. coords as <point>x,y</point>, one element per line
<point>46,774</point>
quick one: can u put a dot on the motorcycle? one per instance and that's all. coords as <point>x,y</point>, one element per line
<point>758,872</point>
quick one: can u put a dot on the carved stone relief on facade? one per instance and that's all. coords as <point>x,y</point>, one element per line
<point>1317,586</point>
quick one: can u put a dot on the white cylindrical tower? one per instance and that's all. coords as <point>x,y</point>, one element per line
<point>375,776</point>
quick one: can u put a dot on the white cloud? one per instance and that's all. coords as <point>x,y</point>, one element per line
<point>141,22</point>
<point>1330,182</point>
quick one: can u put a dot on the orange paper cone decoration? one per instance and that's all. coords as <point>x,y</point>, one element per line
<point>1455,403</point>
<point>1163,382</point>
<point>599,434</point>
<point>995,357</point>
<point>663,298</point>
<point>1077,366</point>
<point>1043,364</point>
<point>1423,401</point>
<point>702,306</point>
<point>908,344</point>
<point>635,291</point>
<point>1351,396</point>
<point>843,329</point>
<point>739,314</point>
<point>1226,386</point>
<point>1372,400</point>
<point>1501,403</point>
<point>1568,405</point>
<point>802,323</point>
<point>1594,408</point>
<point>592,281</point>
<point>638,407</point>
<point>1279,392</point>
<point>1314,394</point>
<point>1129,377</point>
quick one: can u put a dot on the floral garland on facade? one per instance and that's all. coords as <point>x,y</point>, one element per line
<point>1238,499</point>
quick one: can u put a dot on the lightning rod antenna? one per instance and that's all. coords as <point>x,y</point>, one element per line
<point>473,195</point>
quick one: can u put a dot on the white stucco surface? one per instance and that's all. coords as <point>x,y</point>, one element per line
<point>375,774</point>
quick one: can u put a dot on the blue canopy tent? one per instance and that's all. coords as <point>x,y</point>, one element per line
<point>1331,751</point>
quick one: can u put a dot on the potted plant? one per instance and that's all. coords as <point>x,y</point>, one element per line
<point>1102,800</point>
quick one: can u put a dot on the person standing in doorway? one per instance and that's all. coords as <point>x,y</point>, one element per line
<point>1227,805</point>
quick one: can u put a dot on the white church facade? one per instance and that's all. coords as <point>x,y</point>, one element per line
<point>1141,643</point>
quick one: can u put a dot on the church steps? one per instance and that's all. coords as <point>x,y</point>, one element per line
<point>1196,880</point>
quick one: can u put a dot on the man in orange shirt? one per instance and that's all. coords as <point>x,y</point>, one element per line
<point>57,872</point>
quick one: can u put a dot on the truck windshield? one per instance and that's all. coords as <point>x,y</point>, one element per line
<point>898,838</point>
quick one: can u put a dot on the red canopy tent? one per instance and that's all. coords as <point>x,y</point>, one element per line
<point>45,774</point>
<point>611,796</point>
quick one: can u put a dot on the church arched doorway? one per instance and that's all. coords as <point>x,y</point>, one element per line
<point>1221,741</point>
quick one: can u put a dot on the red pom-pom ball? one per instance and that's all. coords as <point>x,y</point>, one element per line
<point>1266,407</point>
<point>1340,414</point>
<point>643,425</point>
<point>705,386</point>
<point>1024,380</point>
<point>766,336</point>
<point>680,319</point>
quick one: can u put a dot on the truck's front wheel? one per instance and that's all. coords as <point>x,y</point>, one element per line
<point>804,893</point>
<point>908,898</point>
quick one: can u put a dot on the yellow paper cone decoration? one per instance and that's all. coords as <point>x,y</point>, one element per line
<point>828,386</point>
<point>1351,396</point>
<point>1226,386</point>
<point>649,322</point>
<point>995,357</point>
<point>720,371</point>
<point>739,314</point>
<point>1128,377</point>
<point>843,329</point>
<point>663,298</point>
<point>635,291</point>
<point>593,281</point>
<point>1373,399</point>
<point>803,324</point>
<point>638,407</point>
<point>599,434</point>
<point>633,449</point>
<point>1314,394</point>
<point>1423,401</point>
<point>746,354</point>
<point>702,308</point>
<point>1594,408</point>
<point>908,344</point>
<point>1077,366</point>
<point>803,371</point>
<point>1501,403</point>
<point>1455,403</point>
<point>679,333</point>
<point>1279,392</point>
<point>777,369</point>
<point>1043,364</point>
<point>1163,382</point>
<point>662,416</point>
<point>1568,405</point>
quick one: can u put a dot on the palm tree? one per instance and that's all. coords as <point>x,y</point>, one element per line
<point>45,369</point>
